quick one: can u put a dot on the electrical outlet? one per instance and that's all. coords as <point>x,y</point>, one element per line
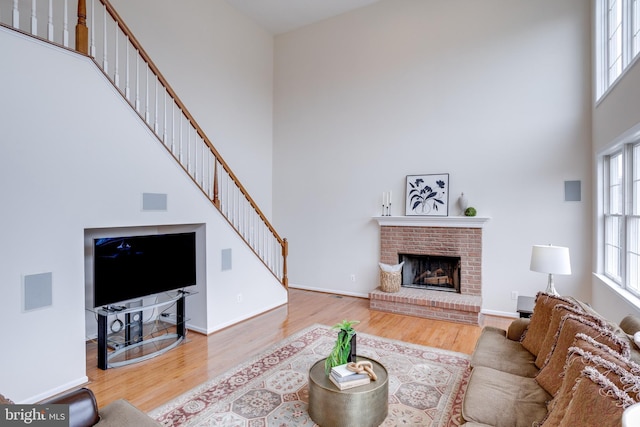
<point>514,295</point>
<point>353,277</point>
<point>239,298</point>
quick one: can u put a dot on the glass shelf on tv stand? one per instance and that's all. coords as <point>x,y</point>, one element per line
<point>138,340</point>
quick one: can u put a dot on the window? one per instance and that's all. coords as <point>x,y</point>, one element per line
<point>618,40</point>
<point>636,26</point>
<point>622,217</point>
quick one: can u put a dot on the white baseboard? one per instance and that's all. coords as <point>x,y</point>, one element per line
<point>57,390</point>
<point>499,313</point>
<point>240,319</point>
<point>330,291</point>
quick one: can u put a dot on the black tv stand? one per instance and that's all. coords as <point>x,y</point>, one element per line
<point>128,345</point>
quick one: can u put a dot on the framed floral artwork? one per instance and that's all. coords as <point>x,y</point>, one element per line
<point>427,195</point>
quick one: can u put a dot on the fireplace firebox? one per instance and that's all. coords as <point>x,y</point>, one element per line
<point>433,272</point>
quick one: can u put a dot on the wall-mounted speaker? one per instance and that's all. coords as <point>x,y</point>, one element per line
<point>154,202</point>
<point>572,191</point>
<point>38,291</point>
<point>225,259</point>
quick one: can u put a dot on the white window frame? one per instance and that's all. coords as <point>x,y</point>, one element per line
<point>622,269</point>
<point>608,72</point>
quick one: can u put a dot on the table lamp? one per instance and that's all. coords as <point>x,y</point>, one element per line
<point>551,260</point>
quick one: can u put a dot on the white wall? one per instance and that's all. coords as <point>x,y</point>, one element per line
<point>221,65</point>
<point>495,93</point>
<point>75,157</point>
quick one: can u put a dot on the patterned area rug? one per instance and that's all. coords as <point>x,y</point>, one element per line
<point>426,385</point>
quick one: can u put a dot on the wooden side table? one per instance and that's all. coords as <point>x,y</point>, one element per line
<point>363,406</point>
<point>525,306</point>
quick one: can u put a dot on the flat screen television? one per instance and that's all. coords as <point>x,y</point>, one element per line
<point>130,267</point>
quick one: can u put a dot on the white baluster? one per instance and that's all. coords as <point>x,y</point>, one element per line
<point>16,15</point>
<point>105,60</point>
<point>34,19</point>
<point>65,25</point>
<point>202,163</point>
<point>127,88</point>
<point>188,147</point>
<point>195,155</point>
<point>209,176</point>
<point>137,81</point>
<point>50,22</point>
<point>180,139</point>
<point>229,195</point>
<point>116,73</point>
<point>236,204</point>
<point>146,94</point>
<point>164,117</point>
<point>155,96</point>
<point>93,33</point>
<point>173,127</point>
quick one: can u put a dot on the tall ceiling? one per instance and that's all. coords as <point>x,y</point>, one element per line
<point>280,16</point>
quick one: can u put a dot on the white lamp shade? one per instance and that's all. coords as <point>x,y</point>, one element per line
<point>550,259</point>
<point>631,416</point>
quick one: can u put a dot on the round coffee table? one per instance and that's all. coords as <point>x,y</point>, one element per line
<point>363,406</point>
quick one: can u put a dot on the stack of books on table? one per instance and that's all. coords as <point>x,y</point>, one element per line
<point>345,379</point>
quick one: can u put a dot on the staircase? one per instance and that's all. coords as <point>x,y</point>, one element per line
<point>102,35</point>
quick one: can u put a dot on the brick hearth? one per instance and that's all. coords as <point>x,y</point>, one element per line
<point>448,236</point>
<point>428,304</point>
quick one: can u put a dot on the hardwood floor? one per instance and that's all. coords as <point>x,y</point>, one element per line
<point>151,383</point>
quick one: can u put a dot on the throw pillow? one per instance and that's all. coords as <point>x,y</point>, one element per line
<point>596,402</point>
<point>557,314</point>
<point>549,376</point>
<point>537,330</point>
<point>588,352</point>
<point>391,268</point>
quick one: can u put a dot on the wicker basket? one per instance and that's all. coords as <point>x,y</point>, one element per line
<point>390,281</point>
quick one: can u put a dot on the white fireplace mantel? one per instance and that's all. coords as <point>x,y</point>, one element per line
<point>433,221</point>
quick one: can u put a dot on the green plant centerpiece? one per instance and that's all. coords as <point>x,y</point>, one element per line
<point>341,352</point>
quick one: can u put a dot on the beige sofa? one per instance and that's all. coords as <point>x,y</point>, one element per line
<point>84,412</point>
<point>566,366</point>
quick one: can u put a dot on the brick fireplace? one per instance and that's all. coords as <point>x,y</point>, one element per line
<point>436,237</point>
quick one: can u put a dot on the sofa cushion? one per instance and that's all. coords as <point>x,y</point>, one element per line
<point>554,324</point>
<point>549,376</point>
<point>596,402</point>
<point>122,413</point>
<point>588,352</point>
<point>494,350</point>
<point>537,330</point>
<point>521,400</point>
<point>630,325</point>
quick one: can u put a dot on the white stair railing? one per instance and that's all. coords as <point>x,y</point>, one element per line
<point>124,62</point>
